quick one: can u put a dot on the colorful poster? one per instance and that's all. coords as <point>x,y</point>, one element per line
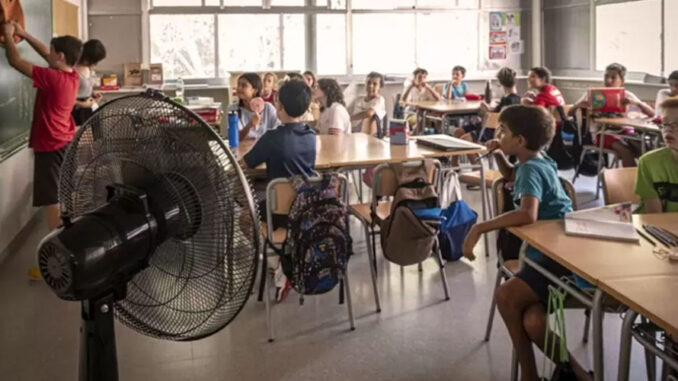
<point>496,21</point>
<point>513,33</point>
<point>497,38</point>
<point>516,47</point>
<point>511,19</point>
<point>498,52</point>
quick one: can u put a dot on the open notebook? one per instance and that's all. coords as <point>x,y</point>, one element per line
<point>612,222</point>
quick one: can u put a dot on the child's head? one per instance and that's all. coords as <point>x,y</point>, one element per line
<point>615,74</point>
<point>670,122</point>
<point>506,77</point>
<point>93,52</point>
<point>525,128</point>
<point>373,84</point>
<point>294,76</point>
<point>249,86</point>
<point>538,77</point>
<point>65,50</point>
<point>419,75</point>
<point>458,74</point>
<point>673,83</point>
<point>310,79</point>
<point>293,99</point>
<point>269,81</point>
<point>328,91</point>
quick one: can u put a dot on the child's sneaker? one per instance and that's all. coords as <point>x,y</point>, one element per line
<point>34,274</point>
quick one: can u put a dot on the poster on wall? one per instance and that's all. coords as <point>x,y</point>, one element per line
<point>498,52</point>
<point>504,35</point>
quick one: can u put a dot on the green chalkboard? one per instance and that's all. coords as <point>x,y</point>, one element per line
<point>16,90</point>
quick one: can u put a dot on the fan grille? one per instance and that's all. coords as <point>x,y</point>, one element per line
<point>199,280</point>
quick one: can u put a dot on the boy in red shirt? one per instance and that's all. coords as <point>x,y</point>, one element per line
<point>53,127</point>
<point>542,93</point>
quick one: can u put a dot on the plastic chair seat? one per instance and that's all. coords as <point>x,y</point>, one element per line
<point>362,211</point>
<point>473,178</point>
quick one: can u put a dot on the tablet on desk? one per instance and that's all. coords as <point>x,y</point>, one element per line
<point>607,100</point>
<point>446,143</point>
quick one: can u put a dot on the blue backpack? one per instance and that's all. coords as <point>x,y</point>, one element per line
<point>457,220</point>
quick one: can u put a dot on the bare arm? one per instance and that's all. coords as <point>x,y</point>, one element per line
<point>12,53</point>
<point>653,206</point>
<point>505,167</point>
<point>407,93</point>
<point>38,46</point>
<point>645,108</point>
<point>362,115</point>
<point>432,91</point>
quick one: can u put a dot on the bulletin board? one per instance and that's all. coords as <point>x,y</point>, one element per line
<point>505,37</point>
<point>65,18</point>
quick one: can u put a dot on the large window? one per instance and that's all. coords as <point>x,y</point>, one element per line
<point>331,44</point>
<point>436,51</point>
<point>383,42</point>
<point>184,44</point>
<point>630,33</point>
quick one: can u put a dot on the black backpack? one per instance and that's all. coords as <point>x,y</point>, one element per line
<point>565,156</point>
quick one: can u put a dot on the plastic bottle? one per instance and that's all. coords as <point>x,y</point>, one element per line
<point>180,90</point>
<point>233,132</point>
<point>488,92</point>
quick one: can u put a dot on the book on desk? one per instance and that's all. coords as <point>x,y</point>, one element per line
<point>613,222</point>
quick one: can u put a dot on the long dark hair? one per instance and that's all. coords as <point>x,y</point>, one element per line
<point>255,81</point>
<point>332,92</point>
<point>93,52</point>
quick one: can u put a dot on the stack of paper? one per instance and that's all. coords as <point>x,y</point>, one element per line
<point>612,222</point>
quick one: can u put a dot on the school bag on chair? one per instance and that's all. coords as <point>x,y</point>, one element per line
<point>406,239</point>
<point>317,247</point>
<point>456,221</point>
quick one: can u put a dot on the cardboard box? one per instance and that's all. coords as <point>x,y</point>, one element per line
<point>132,76</point>
<point>155,76</point>
<point>398,131</point>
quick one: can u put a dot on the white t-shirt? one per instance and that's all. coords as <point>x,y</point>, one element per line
<point>334,120</point>
<point>662,95</point>
<point>417,95</point>
<point>358,105</point>
<point>268,121</point>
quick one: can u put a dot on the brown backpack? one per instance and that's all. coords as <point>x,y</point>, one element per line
<point>406,239</point>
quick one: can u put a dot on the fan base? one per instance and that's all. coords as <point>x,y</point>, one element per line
<point>98,358</point>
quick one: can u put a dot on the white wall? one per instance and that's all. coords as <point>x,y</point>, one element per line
<point>16,196</point>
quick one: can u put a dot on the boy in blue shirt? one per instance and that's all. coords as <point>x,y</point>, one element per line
<point>524,131</point>
<point>457,88</point>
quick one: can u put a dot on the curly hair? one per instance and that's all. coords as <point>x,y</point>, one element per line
<point>332,91</point>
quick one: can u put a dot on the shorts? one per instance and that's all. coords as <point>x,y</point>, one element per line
<point>609,139</point>
<point>81,115</point>
<point>538,282</point>
<point>46,176</point>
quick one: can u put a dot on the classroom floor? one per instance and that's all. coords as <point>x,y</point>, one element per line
<point>417,336</point>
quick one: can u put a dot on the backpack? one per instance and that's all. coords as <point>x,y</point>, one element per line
<point>565,156</point>
<point>458,219</point>
<point>316,250</point>
<point>405,238</point>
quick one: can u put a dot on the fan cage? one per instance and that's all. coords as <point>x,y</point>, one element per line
<point>195,283</point>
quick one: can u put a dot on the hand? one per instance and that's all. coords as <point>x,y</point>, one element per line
<point>484,107</point>
<point>254,122</point>
<point>470,242</point>
<point>87,103</point>
<point>8,30</point>
<point>493,145</point>
<point>97,96</point>
<point>18,30</point>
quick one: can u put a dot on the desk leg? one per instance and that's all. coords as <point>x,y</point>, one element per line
<point>643,135</point>
<point>597,315</point>
<point>601,146</point>
<point>625,346</point>
<point>483,196</point>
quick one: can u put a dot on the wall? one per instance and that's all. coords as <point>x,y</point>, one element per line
<point>566,34</point>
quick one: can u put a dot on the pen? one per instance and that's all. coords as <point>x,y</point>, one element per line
<point>666,237</point>
<point>646,237</point>
<point>668,233</point>
<point>655,235</point>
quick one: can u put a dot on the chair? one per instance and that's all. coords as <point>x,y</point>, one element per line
<point>369,214</point>
<point>508,268</point>
<point>618,185</point>
<point>280,195</point>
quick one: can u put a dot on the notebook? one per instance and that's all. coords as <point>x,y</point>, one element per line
<point>613,222</point>
<point>607,99</point>
<point>446,143</point>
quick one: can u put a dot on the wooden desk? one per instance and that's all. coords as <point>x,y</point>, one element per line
<point>644,125</point>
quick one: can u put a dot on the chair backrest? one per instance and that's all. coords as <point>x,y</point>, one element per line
<point>491,120</point>
<point>571,193</point>
<point>498,194</point>
<point>619,184</point>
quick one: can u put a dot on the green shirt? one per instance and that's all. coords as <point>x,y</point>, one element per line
<point>658,179</point>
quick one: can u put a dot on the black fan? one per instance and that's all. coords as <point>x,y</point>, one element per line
<point>160,227</point>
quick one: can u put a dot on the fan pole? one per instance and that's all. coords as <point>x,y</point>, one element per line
<point>98,360</point>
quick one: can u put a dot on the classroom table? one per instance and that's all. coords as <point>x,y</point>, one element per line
<point>643,126</point>
<point>598,260</point>
<point>454,107</point>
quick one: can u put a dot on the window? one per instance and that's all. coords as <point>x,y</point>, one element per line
<point>393,4</point>
<point>622,36</point>
<point>447,4</point>
<point>184,44</point>
<point>255,42</point>
<point>384,43</point>
<point>438,53</point>
<point>177,3</point>
<point>330,44</point>
<point>670,37</point>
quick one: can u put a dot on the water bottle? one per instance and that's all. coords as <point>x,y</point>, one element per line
<point>233,132</point>
<point>488,93</point>
<point>180,89</point>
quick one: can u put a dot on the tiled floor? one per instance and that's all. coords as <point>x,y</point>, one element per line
<point>417,336</point>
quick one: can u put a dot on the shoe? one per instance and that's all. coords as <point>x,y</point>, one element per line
<point>34,274</point>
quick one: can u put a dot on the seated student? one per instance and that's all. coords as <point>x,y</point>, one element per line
<point>663,94</point>
<point>542,93</point>
<point>311,81</point>
<point>334,118</point>
<point>418,91</point>
<point>521,300</point>
<point>657,180</point>
<point>93,51</point>
<point>268,92</point>
<point>252,125</point>
<point>456,88</point>
<point>363,109</point>
<point>626,150</point>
